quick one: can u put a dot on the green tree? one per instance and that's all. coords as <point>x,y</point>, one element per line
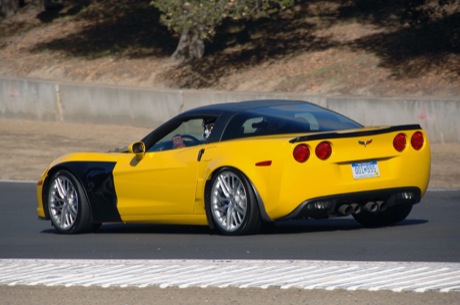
<point>196,20</point>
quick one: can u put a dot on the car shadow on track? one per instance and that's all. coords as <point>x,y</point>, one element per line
<point>329,225</point>
<point>281,227</point>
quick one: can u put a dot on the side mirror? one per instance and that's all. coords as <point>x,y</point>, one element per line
<point>138,148</point>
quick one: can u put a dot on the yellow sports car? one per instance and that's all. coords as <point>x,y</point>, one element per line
<point>236,166</point>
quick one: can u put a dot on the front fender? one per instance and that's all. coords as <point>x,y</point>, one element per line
<point>97,181</point>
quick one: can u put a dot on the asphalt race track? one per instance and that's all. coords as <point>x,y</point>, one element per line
<point>427,242</point>
<point>430,234</point>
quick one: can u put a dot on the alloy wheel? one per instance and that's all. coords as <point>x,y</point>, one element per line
<point>63,202</point>
<point>229,201</point>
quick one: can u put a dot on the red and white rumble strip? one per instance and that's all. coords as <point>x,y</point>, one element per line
<point>284,274</point>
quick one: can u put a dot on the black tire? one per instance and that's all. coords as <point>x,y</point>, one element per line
<point>389,216</point>
<point>67,204</point>
<point>232,205</point>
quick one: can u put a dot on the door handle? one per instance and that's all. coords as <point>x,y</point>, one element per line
<point>200,154</point>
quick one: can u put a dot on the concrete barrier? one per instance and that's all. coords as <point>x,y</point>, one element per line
<point>83,103</point>
<point>28,99</point>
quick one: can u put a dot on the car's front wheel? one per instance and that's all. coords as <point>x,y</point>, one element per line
<point>67,204</point>
<point>232,204</point>
<point>389,216</point>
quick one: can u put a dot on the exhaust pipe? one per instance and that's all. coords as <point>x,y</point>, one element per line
<point>371,207</point>
<point>356,208</point>
<point>345,210</point>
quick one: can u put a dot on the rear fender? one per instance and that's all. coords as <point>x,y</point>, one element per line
<point>260,203</point>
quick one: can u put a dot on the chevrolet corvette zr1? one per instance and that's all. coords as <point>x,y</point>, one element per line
<point>236,166</point>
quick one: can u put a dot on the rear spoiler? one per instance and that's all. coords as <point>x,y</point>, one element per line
<point>367,132</point>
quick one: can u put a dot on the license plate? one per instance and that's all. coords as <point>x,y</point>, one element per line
<point>365,170</point>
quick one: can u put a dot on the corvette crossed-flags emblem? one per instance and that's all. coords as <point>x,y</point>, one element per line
<point>365,143</point>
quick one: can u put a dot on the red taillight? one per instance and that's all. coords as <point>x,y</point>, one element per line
<point>399,142</point>
<point>323,150</point>
<point>417,140</point>
<point>301,153</point>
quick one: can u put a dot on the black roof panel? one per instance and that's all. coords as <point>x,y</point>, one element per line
<point>241,106</point>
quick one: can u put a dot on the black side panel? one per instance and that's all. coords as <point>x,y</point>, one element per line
<point>97,180</point>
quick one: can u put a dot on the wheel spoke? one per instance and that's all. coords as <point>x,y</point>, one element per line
<point>237,186</point>
<point>224,186</point>
<point>229,218</point>
<point>240,206</point>
<point>236,218</point>
<point>63,217</point>
<point>72,201</point>
<point>60,188</point>
<point>70,217</point>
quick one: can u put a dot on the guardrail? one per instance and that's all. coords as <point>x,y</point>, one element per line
<point>47,100</point>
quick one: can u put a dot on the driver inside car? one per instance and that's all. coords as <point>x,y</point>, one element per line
<point>178,141</point>
<point>208,125</point>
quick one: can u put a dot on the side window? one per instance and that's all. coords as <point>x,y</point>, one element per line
<point>188,133</point>
<point>249,126</point>
<point>242,126</point>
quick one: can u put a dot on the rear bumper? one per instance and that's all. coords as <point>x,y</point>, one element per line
<point>353,203</point>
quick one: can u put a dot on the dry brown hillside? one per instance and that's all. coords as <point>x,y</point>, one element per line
<point>320,47</point>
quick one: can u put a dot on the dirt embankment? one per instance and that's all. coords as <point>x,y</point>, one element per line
<point>320,47</point>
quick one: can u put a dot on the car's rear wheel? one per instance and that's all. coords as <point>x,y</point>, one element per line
<point>67,204</point>
<point>389,216</point>
<point>232,204</point>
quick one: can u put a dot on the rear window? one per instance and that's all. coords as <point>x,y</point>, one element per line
<point>299,118</point>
